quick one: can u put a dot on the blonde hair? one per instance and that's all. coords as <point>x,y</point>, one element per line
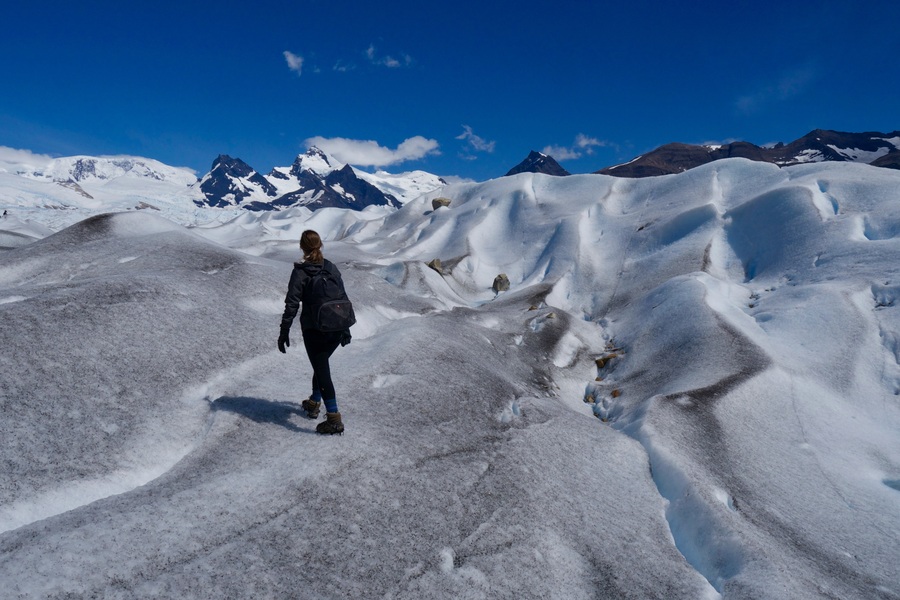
<point>311,245</point>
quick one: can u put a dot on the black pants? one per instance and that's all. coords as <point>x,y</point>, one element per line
<point>319,347</point>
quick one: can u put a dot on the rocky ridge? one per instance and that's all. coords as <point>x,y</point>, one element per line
<point>538,162</point>
<point>314,180</point>
<point>820,145</point>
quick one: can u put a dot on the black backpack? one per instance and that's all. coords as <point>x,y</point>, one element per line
<point>329,302</point>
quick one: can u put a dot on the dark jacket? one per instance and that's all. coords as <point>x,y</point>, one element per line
<point>297,287</point>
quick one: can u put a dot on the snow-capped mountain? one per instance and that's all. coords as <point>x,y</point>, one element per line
<point>315,180</point>
<point>78,187</point>
<point>878,149</point>
<point>57,192</point>
<point>81,169</point>
<point>230,181</point>
<point>538,162</point>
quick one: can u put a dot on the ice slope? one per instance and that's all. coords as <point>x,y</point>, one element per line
<point>737,438</point>
<point>93,316</point>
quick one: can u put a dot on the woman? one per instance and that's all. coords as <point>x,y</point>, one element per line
<point>320,345</point>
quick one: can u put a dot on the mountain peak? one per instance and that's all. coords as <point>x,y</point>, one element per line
<point>538,162</point>
<point>232,166</point>
<point>315,161</point>
<point>231,181</point>
<point>315,179</point>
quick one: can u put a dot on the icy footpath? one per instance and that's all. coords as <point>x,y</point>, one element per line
<point>460,477</point>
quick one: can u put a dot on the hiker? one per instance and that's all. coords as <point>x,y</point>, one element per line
<point>317,284</point>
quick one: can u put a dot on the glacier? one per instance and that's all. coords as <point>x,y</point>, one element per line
<point>691,390</point>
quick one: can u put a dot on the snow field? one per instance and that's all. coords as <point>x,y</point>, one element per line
<point>747,447</point>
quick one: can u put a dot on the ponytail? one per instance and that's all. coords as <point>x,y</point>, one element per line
<point>311,245</point>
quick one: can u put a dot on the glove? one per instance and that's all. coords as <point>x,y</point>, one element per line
<point>284,340</point>
<point>345,338</point>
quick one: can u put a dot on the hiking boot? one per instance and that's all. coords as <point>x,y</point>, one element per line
<point>311,407</point>
<point>331,425</point>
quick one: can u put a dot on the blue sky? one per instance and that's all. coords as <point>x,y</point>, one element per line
<point>455,88</point>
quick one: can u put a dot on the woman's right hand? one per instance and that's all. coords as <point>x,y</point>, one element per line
<point>284,340</point>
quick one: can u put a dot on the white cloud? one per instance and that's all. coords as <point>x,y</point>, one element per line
<point>583,144</point>
<point>370,153</point>
<point>560,152</point>
<point>14,160</point>
<point>457,179</point>
<point>724,142</point>
<point>588,143</point>
<point>789,85</point>
<point>388,61</point>
<point>294,62</point>
<point>475,142</point>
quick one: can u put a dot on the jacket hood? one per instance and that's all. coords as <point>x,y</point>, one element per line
<point>310,268</point>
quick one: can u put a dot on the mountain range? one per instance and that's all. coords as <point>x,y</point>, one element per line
<point>315,179</point>
<point>77,186</point>
<point>83,185</point>
<point>878,149</point>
